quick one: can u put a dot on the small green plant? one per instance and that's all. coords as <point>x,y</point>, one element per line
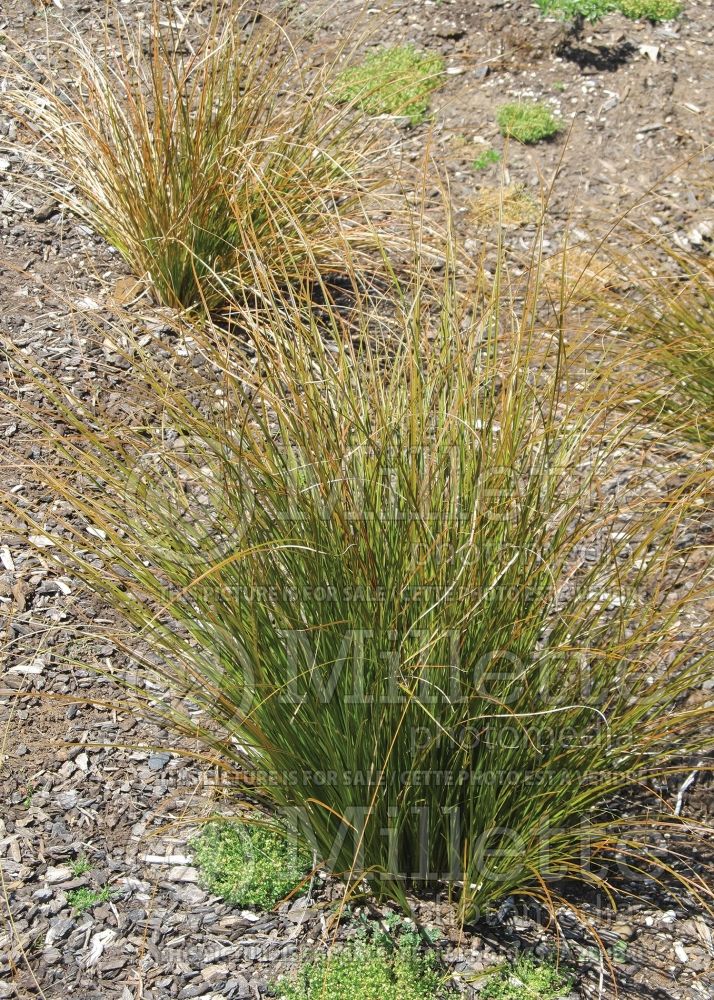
<point>368,971</point>
<point>394,927</point>
<point>559,86</point>
<point>29,793</point>
<point>248,865</point>
<point>619,951</point>
<point>527,121</point>
<point>579,11</point>
<point>395,81</point>
<point>527,979</point>
<point>486,159</point>
<point>85,898</point>
<point>650,10</point>
<point>80,865</point>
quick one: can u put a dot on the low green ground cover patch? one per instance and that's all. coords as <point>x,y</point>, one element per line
<point>527,121</point>
<point>393,81</point>
<point>248,865</point>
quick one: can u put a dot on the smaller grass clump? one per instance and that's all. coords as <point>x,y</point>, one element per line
<point>526,979</point>
<point>506,206</point>
<point>368,971</point>
<point>394,81</point>
<point>201,165</point>
<point>527,121</point>
<point>486,159</point>
<point>84,899</point>
<point>248,865</point>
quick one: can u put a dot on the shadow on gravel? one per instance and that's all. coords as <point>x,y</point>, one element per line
<point>605,58</point>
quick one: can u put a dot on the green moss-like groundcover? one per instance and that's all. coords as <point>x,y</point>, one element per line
<point>527,979</point>
<point>594,10</point>
<point>394,81</point>
<point>248,865</point>
<point>368,971</point>
<point>527,121</point>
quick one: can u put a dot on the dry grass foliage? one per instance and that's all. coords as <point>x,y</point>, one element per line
<point>209,155</point>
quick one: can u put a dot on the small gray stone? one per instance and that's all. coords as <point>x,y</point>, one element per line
<point>59,929</point>
<point>625,931</point>
<point>239,987</point>
<point>158,761</point>
<point>199,990</point>
<point>67,800</point>
<point>190,894</point>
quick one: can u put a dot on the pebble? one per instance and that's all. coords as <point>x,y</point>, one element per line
<point>183,873</point>
<point>650,51</point>
<point>57,874</point>
<point>158,761</point>
<point>213,972</point>
<point>58,930</point>
<point>199,990</point>
<point>679,951</point>
<point>625,931</point>
<point>190,894</point>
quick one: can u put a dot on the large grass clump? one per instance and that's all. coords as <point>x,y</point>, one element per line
<point>527,121</point>
<point>394,81</point>
<point>408,577</point>
<point>204,154</point>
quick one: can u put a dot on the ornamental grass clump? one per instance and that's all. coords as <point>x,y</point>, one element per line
<point>666,335</point>
<point>203,154</point>
<point>405,578</point>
